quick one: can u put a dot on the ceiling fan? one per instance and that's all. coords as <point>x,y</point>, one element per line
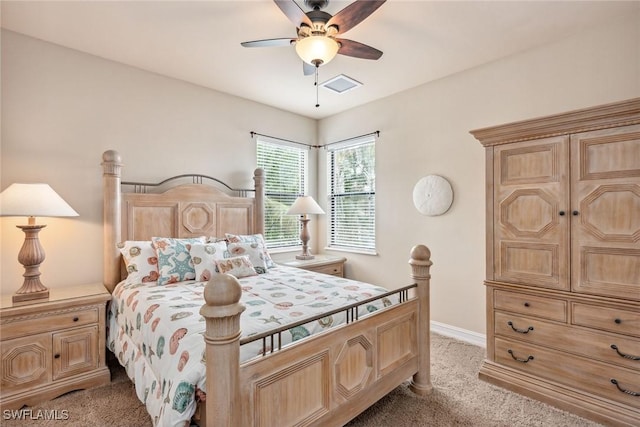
<point>317,43</point>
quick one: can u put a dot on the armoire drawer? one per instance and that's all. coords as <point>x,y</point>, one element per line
<point>530,305</point>
<point>605,380</point>
<point>606,318</point>
<point>607,347</point>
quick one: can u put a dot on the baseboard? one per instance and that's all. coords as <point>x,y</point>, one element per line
<point>460,334</point>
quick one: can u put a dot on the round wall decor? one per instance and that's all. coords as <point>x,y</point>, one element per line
<point>432,195</point>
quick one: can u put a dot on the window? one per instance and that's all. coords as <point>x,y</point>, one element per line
<point>285,167</point>
<point>352,195</point>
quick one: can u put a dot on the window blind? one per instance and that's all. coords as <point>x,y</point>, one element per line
<point>285,167</point>
<point>352,197</point>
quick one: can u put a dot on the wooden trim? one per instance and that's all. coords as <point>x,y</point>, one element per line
<point>112,168</point>
<point>489,243</point>
<point>601,117</point>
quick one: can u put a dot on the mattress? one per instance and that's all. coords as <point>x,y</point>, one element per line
<point>156,332</point>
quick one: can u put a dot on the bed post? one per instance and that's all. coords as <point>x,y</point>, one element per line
<point>258,178</point>
<point>222,311</point>
<point>111,169</point>
<point>420,263</point>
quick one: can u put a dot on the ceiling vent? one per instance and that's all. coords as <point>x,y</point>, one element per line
<point>341,84</point>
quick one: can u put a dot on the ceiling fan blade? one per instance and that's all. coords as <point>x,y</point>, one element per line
<point>358,50</point>
<point>269,42</point>
<point>308,69</point>
<point>354,14</point>
<point>291,9</point>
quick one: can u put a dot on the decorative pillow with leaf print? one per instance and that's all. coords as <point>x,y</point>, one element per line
<point>141,261</point>
<point>255,252</point>
<point>239,266</point>
<point>174,260</point>
<point>252,238</point>
<point>204,256</point>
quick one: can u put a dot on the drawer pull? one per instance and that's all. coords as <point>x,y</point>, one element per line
<point>75,319</point>
<point>526,304</point>
<point>56,356</point>
<point>520,331</point>
<point>618,321</point>
<point>632,393</point>
<point>519,360</point>
<point>626,356</point>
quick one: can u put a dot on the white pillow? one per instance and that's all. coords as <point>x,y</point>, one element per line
<point>140,259</point>
<point>252,238</point>
<point>204,256</point>
<point>239,266</point>
<point>255,252</point>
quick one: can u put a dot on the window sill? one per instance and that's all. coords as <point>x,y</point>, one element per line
<point>352,251</point>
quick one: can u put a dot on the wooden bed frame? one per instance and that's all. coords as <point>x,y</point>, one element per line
<point>325,379</point>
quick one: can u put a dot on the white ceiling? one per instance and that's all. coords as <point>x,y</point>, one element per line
<point>199,41</point>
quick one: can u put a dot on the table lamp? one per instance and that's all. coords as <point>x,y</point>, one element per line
<point>305,206</point>
<point>32,200</point>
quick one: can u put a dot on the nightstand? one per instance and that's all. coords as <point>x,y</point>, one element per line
<point>321,263</point>
<point>52,347</point>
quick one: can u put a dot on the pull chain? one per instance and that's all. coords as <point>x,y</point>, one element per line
<point>316,85</point>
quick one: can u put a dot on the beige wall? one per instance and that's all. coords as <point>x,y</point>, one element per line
<point>425,131</point>
<point>61,109</point>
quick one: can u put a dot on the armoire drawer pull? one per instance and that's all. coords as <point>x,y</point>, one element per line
<point>617,321</point>
<point>526,304</point>
<point>519,360</point>
<point>626,356</point>
<point>632,393</point>
<point>520,331</point>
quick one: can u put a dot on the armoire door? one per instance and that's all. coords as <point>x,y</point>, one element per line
<point>531,213</point>
<point>605,212</point>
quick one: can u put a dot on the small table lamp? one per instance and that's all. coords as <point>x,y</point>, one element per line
<point>305,206</point>
<point>32,200</point>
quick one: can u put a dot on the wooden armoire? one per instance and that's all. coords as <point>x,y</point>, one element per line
<point>563,260</point>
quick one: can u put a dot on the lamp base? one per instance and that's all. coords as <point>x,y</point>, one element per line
<point>31,296</point>
<point>309,256</point>
<point>31,255</point>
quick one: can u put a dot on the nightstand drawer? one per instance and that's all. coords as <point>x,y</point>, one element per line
<point>51,321</point>
<point>324,264</point>
<point>333,269</point>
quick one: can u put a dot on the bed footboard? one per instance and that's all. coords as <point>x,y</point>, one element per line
<point>326,379</point>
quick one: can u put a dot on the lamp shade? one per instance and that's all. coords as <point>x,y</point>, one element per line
<point>33,200</point>
<point>305,205</point>
<point>317,50</point>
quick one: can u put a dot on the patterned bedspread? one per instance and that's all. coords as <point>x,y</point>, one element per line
<point>157,331</point>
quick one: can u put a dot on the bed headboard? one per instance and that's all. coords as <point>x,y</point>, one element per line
<point>172,208</point>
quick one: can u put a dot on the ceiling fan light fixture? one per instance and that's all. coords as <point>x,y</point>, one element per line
<point>317,50</point>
